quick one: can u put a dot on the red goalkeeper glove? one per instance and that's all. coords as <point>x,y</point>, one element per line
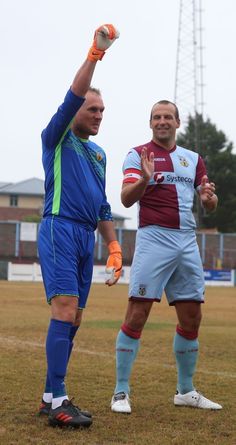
<point>114,263</point>
<point>104,36</point>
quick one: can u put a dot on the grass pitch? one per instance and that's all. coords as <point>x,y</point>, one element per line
<point>91,378</point>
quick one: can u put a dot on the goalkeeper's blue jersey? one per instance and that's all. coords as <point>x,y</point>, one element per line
<point>74,170</point>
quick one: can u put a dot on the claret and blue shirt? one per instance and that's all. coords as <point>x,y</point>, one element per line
<point>168,199</point>
<point>166,253</point>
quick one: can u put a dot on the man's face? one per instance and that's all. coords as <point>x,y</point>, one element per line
<point>164,123</point>
<point>88,119</point>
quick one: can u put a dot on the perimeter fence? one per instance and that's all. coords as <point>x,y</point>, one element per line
<point>18,244</point>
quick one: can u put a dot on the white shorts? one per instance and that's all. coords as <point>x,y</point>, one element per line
<point>166,260</point>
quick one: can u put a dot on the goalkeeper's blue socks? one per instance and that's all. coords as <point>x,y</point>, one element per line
<point>47,396</point>
<point>73,331</point>
<point>186,354</point>
<point>126,351</point>
<point>57,349</point>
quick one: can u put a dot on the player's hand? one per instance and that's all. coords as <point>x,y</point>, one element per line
<point>147,164</point>
<point>104,36</point>
<point>114,263</point>
<point>207,194</point>
<point>207,189</point>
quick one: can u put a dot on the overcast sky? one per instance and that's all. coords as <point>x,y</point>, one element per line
<point>43,42</point>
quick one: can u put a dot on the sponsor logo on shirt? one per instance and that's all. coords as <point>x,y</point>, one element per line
<point>159,159</point>
<point>159,177</point>
<point>174,179</point>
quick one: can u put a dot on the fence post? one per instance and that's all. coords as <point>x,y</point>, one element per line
<point>99,246</point>
<point>203,244</point>
<point>120,233</point>
<point>221,247</point>
<point>17,239</point>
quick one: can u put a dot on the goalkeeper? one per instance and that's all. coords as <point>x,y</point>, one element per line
<point>75,205</point>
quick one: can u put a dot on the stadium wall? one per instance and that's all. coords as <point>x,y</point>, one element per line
<point>32,272</point>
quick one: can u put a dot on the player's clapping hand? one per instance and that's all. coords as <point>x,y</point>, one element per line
<point>207,194</point>
<point>207,189</point>
<point>104,36</point>
<point>147,164</point>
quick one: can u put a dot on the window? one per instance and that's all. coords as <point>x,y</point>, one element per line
<point>13,201</point>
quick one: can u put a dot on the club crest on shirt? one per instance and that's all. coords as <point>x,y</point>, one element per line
<point>99,156</point>
<point>142,290</point>
<point>183,161</point>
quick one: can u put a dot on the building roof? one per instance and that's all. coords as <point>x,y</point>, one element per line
<point>31,186</point>
<point>35,187</point>
<point>3,184</point>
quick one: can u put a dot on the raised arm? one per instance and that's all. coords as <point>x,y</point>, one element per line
<point>104,36</point>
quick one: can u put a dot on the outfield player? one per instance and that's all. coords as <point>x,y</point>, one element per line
<point>162,177</point>
<point>75,204</point>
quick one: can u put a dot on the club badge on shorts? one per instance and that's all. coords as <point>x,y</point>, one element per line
<point>142,290</point>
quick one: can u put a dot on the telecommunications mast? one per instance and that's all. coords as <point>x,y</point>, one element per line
<point>188,93</point>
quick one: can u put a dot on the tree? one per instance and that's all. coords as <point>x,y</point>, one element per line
<point>212,144</point>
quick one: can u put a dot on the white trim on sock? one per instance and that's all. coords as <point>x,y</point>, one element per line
<point>58,401</point>
<point>47,397</point>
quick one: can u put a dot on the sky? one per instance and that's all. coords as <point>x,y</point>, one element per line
<point>44,42</point>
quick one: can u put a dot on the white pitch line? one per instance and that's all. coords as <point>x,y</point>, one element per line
<point>15,341</point>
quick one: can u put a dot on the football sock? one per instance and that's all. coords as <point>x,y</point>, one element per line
<point>58,401</point>
<point>47,396</point>
<point>186,354</point>
<point>73,331</point>
<point>48,387</point>
<point>126,351</point>
<point>57,349</point>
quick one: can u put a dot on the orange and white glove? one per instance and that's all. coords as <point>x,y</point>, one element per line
<point>104,36</point>
<point>114,263</point>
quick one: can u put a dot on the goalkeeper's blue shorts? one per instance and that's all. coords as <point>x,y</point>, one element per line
<point>166,260</point>
<point>66,258</point>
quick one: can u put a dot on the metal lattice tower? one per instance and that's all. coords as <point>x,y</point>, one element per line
<point>188,94</point>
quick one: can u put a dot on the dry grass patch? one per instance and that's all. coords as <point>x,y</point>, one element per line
<point>91,378</point>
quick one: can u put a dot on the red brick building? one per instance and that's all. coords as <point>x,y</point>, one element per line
<point>21,201</point>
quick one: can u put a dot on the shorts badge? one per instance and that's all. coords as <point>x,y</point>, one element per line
<point>142,290</point>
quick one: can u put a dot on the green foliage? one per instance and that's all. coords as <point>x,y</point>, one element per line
<point>32,218</point>
<point>212,144</point>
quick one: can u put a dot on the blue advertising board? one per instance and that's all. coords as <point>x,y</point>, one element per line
<point>217,275</point>
<point>220,277</point>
